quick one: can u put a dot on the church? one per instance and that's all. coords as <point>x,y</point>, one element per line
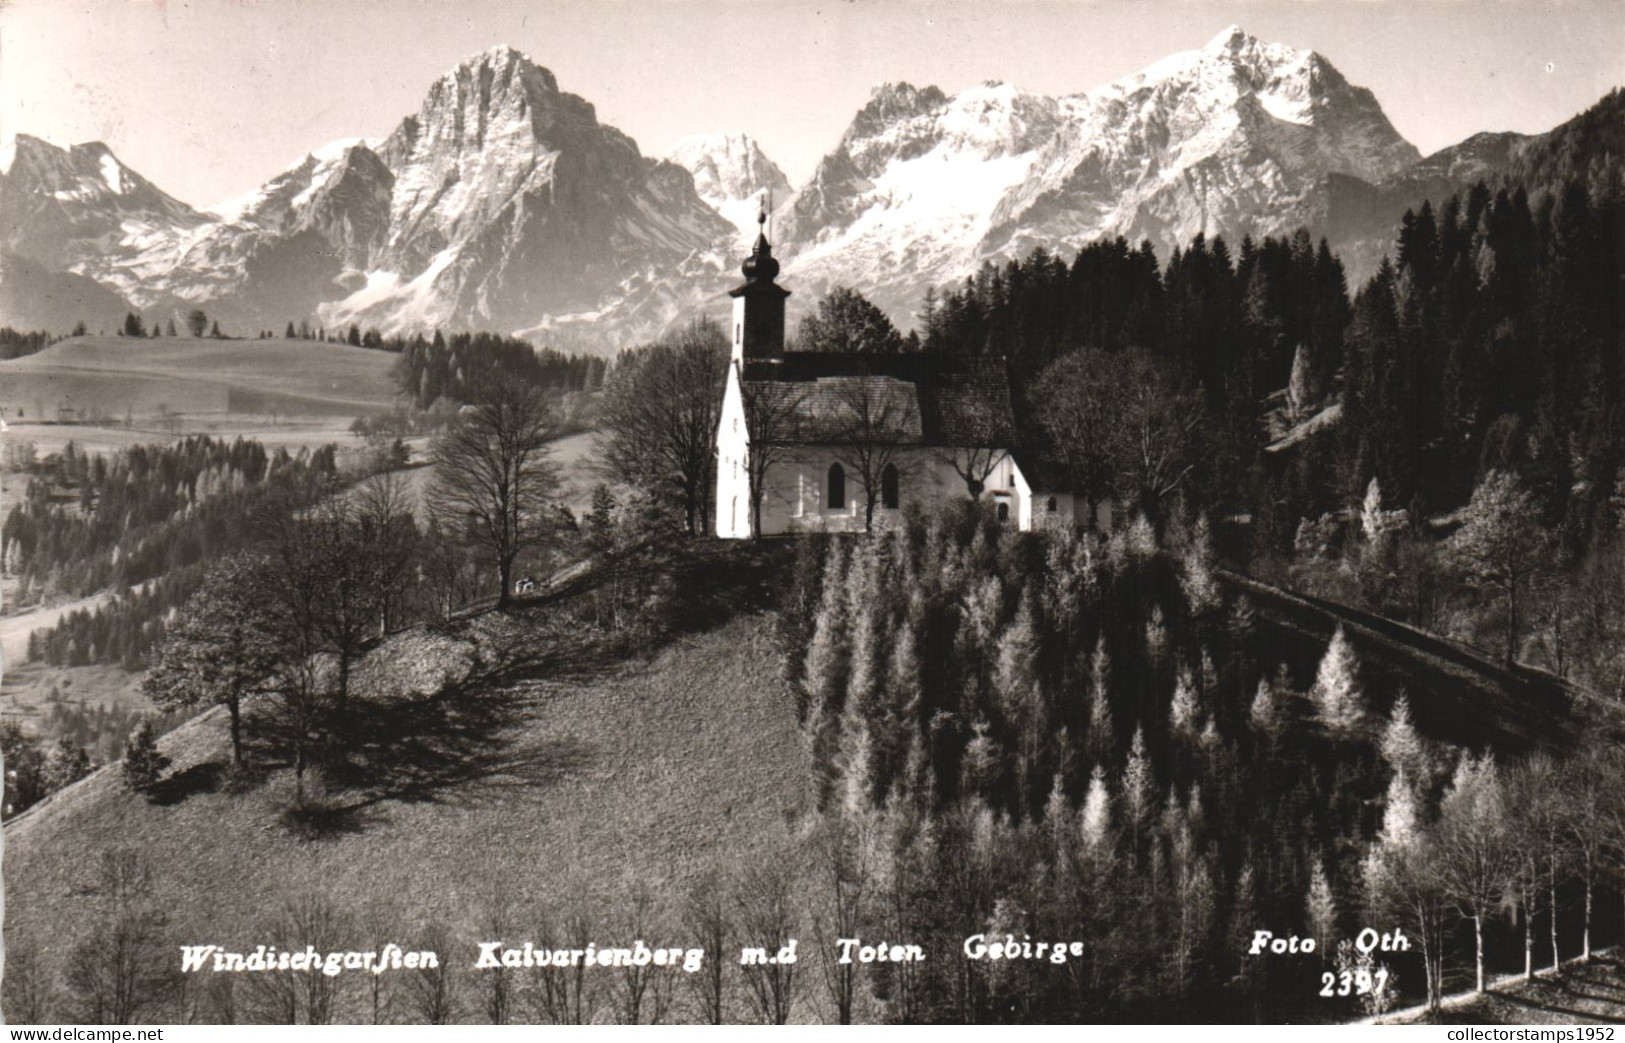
<point>845,441</point>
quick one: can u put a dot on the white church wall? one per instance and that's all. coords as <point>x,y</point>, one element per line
<point>798,486</point>
<point>733,519</point>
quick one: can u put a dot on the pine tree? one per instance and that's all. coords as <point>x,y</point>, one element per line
<point>1300,388</point>
<point>1320,909</point>
<point>67,764</point>
<point>863,608</point>
<point>1244,915</point>
<point>1399,821</point>
<point>1264,713</point>
<point>143,763</point>
<point>1094,823</point>
<point>1137,780</point>
<point>1338,700</point>
<point>824,683</point>
<point>903,696</point>
<point>1371,523</point>
<point>857,753</point>
<point>1401,746</point>
<point>1057,815</point>
<point>1183,712</point>
<point>979,766</point>
<point>1198,563</point>
<point>1102,740</point>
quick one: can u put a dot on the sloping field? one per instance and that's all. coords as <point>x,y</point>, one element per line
<point>639,778</point>
<point>112,378</point>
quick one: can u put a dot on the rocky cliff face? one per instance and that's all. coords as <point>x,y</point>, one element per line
<point>512,203</point>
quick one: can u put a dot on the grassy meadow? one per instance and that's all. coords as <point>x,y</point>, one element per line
<point>111,378</point>
<point>609,780</point>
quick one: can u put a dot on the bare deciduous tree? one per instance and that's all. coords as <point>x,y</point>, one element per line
<point>980,426</point>
<point>658,423</point>
<point>845,855</point>
<point>1502,546</point>
<point>768,919</point>
<point>707,920</point>
<point>771,411</point>
<point>431,990</point>
<point>493,480</point>
<point>877,432</point>
<point>1123,421</point>
<point>29,991</point>
<point>644,994</point>
<point>306,917</point>
<point>124,970</point>
<point>386,533</point>
<point>1477,858</point>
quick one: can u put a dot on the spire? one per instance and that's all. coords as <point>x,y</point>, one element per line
<point>760,266</point>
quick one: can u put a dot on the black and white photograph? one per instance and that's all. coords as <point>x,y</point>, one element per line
<point>738,512</point>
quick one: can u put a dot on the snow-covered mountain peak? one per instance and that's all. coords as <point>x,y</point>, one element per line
<point>293,186</point>
<point>1230,138</point>
<point>85,172</point>
<point>731,172</point>
<point>1231,38</point>
<point>889,103</point>
<point>505,66</point>
<point>729,167</point>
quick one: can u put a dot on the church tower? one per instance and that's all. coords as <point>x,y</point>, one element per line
<point>759,302</point>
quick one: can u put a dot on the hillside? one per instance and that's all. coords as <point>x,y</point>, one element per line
<point>34,298</point>
<point>86,378</point>
<point>1585,994</point>
<point>643,776</point>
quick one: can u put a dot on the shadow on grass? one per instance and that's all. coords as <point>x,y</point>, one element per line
<point>672,587</point>
<point>1526,998</point>
<point>464,743</point>
<point>199,778</point>
<point>468,742</point>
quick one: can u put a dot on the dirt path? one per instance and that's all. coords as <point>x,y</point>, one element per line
<point>14,630</point>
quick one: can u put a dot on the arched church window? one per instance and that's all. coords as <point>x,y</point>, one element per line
<point>1004,510</point>
<point>837,487</point>
<point>889,491</point>
<point>1053,506</point>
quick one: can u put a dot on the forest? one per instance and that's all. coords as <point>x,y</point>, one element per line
<point>1062,736</point>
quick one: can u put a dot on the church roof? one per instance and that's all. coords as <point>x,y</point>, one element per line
<point>1044,473</point>
<point>913,399</point>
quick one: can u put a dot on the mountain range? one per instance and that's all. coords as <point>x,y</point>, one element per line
<point>504,204</point>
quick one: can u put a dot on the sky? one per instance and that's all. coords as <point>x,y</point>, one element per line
<point>209,98</point>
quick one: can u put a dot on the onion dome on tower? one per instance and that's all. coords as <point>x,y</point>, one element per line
<point>759,301</point>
